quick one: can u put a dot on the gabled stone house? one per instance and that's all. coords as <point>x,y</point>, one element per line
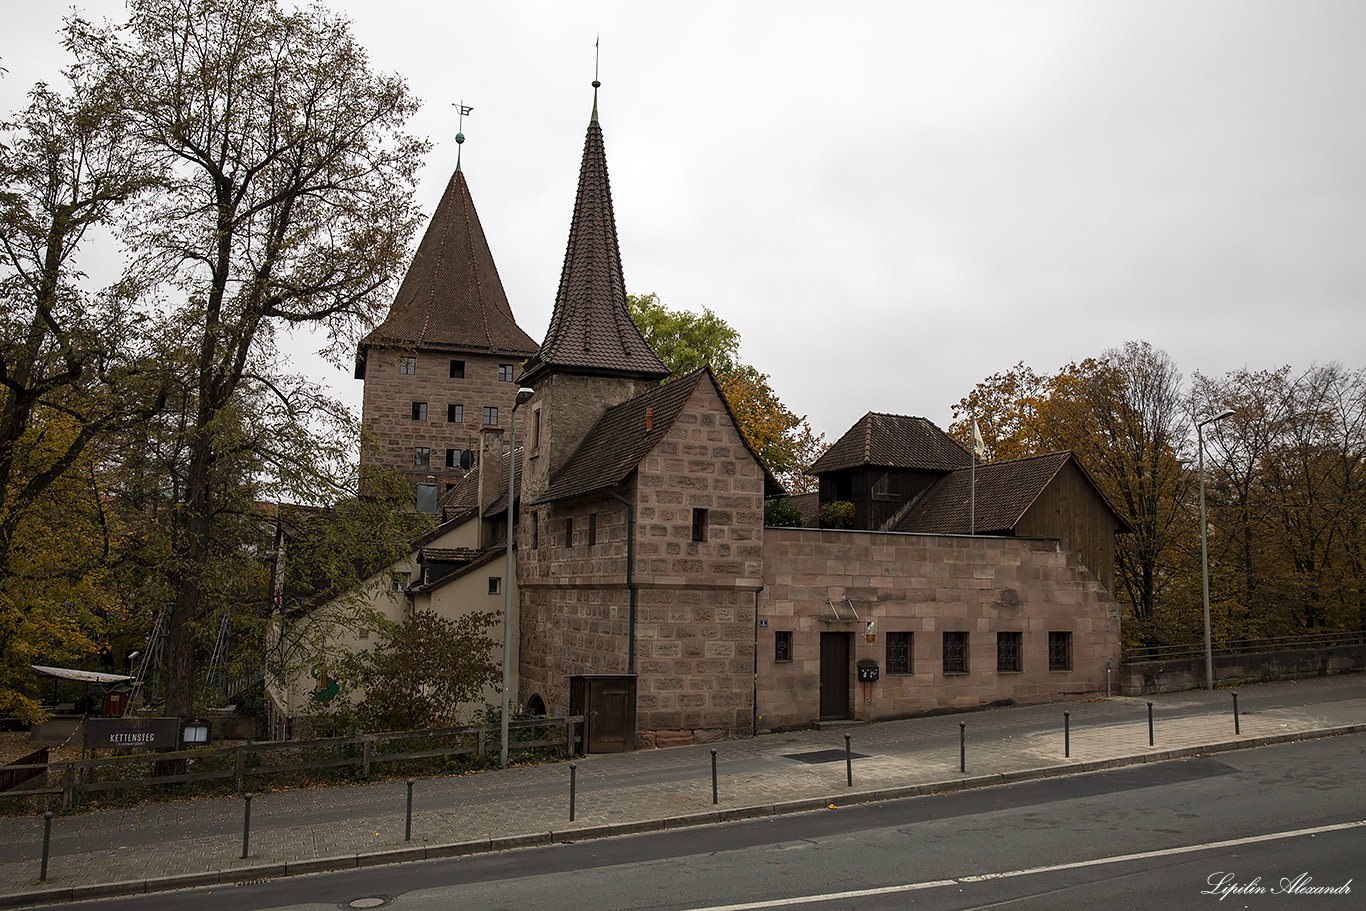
<point>652,598</point>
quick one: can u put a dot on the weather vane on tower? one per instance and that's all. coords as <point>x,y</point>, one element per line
<point>460,131</point>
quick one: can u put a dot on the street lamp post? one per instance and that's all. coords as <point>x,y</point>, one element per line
<point>522,395</point>
<point>1204,552</point>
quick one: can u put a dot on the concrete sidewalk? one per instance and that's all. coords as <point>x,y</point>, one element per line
<point>199,842</point>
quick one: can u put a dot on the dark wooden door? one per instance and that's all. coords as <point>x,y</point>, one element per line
<point>834,676</point>
<point>608,703</point>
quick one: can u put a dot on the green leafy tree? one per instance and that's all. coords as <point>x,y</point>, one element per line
<point>74,367</point>
<point>686,341</point>
<point>284,183</point>
<point>423,670</point>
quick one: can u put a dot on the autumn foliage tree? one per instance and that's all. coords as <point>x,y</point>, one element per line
<point>686,341</point>
<point>283,198</point>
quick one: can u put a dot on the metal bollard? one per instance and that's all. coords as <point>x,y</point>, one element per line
<point>848,762</point>
<point>246,825</point>
<point>1067,735</point>
<point>408,826</point>
<point>1150,724</point>
<point>47,842</point>
<point>573,772</point>
<point>713,775</point>
<point>1237,727</point>
<point>962,746</point>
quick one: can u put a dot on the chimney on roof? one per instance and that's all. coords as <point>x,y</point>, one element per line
<point>491,471</point>
<point>649,418</point>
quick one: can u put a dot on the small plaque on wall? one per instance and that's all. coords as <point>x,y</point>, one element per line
<point>870,638</point>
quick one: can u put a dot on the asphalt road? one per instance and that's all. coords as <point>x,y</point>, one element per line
<point>1264,826</point>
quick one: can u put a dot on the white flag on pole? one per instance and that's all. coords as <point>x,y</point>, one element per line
<point>979,447</point>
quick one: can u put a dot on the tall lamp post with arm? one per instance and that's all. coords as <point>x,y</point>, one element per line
<point>522,395</point>
<point>1204,552</point>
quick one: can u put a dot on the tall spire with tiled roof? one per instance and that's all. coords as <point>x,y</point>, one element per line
<point>452,297</point>
<point>591,330</point>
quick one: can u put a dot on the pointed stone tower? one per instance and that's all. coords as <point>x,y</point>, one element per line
<point>443,364</point>
<point>593,356</point>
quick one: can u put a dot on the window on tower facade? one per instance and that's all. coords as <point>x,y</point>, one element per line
<point>899,653</point>
<point>422,457</point>
<point>419,411</point>
<point>955,653</point>
<point>505,373</point>
<point>592,529</point>
<point>699,525</point>
<point>455,414</point>
<point>1008,647</point>
<point>1060,651</point>
<point>407,365</point>
<point>490,416</point>
<point>457,370</point>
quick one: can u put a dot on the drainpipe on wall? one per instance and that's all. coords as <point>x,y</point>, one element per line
<point>630,575</point>
<point>754,695</point>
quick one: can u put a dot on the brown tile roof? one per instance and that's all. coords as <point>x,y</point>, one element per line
<point>894,441</point>
<point>591,330</point>
<point>1005,491</point>
<point>809,505</point>
<point>452,297</point>
<point>620,439</point>
<point>464,497</point>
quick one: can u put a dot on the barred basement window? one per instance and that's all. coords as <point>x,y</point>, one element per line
<point>782,645</point>
<point>1008,648</point>
<point>419,411</point>
<point>955,653</point>
<point>455,414</point>
<point>505,373</point>
<point>457,370</point>
<point>1060,651</point>
<point>899,653</point>
<point>407,365</point>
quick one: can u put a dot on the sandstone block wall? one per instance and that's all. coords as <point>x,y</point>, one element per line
<point>925,585</point>
<point>387,406</point>
<point>694,643</point>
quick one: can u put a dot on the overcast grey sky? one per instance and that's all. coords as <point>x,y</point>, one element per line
<point>894,200</point>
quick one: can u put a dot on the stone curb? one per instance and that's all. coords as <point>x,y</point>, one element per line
<point>46,896</point>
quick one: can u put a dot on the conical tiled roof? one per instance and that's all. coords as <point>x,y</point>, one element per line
<point>591,330</point>
<point>452,297</point>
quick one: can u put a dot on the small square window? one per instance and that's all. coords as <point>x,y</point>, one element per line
<point>899,653</point>
<point>455,414</point>
<point>955,653</point>
<point>569,532</point>
<point>407,365</point>
<point>419,411</point>
<point>782,645</point>
<point>422,457</point>
<point>1008,647</point>
<point>1060,651</point>
<point>699,525</point>
<point>505,373</point>
<point>457,370</point>
<point>495,585</point>
<point>490,416</point>
<point>592,529</point>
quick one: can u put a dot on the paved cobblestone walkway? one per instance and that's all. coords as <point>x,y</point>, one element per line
<point>195,842</point>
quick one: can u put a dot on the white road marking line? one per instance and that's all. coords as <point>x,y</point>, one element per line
<point>1031,871</point>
